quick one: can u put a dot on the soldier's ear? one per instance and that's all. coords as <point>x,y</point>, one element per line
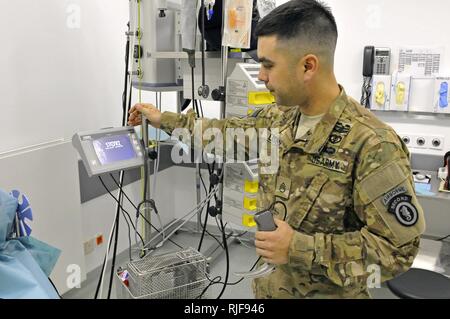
<point>310,65</point>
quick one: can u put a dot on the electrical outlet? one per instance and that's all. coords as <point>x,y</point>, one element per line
<point>89,246</point>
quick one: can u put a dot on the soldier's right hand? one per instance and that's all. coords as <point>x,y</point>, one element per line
<point>148,110</point>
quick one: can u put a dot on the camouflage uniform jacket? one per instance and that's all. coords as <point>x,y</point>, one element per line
<point>350,197</point>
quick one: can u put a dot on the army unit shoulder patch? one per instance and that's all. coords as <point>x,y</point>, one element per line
<point>400,205</point>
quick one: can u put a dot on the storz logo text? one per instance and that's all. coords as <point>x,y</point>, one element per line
<point>113,145</point>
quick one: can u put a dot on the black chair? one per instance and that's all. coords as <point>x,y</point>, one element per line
<point>420,284</point>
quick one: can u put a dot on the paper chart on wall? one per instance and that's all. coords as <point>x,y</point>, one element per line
<point>418,61</point>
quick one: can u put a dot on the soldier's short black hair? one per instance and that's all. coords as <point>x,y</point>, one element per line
<point>309,20</point>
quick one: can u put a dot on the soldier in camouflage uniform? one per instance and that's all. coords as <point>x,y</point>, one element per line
<point>347,183</point>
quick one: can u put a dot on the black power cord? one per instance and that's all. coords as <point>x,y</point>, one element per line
<point>272,206</point>
<point>129,236</point>
<point>214,281</point>
<point>211,186</point>
<point>121,207</point>
<point>366,92</point>
<point>116,240</point>
<point>207,232</point>
<point>103,265</point>
<point>126,216</point>
<point>141,215</point>
<point>232,283</point>
<point>147,221</point>
<point>115,231</point>
<point>443,238</point>
<point>227,272</point>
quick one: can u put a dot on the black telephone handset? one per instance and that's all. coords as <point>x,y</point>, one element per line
<point>368,70</point>
<point>369,59</point>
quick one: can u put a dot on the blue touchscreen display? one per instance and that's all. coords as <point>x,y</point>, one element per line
<point>112,149</point>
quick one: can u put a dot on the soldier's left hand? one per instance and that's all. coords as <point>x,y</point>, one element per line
<point>273,246</point>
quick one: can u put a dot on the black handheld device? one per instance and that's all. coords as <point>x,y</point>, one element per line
<point>264,220</point>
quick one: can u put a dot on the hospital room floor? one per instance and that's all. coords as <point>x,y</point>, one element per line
<point>242,258</point>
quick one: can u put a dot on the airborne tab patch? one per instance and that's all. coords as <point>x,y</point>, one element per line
<point>391,194</point>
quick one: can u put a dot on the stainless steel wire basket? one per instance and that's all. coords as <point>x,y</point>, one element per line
<point>175,275</point>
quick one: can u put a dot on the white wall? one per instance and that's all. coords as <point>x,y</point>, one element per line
<point>62,65</point>
<point>385,23</point>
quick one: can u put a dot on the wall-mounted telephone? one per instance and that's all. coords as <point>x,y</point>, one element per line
<point>377,61</point>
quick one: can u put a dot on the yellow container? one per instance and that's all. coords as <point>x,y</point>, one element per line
<point>260,98</point>
<point>251,186</point>
<point>250,203</point>
<point>248,220</point>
